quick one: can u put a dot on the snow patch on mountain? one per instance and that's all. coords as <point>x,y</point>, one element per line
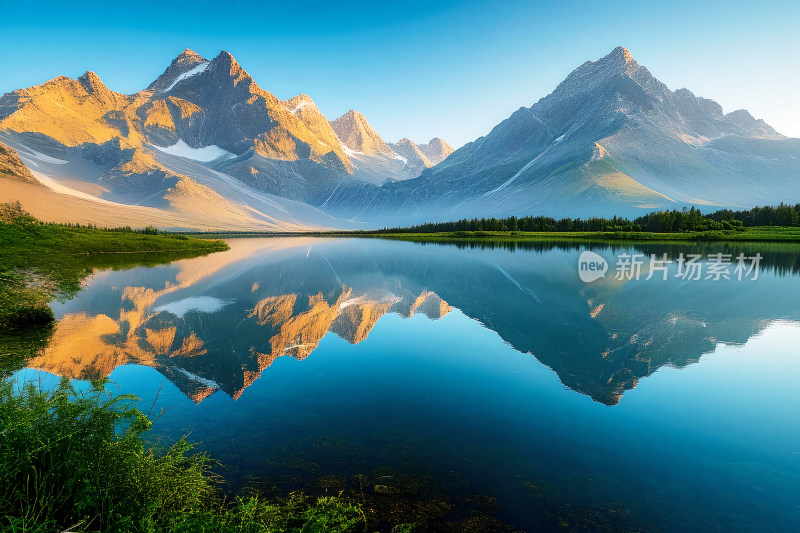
<point>194,377</point>
<point>60,188</point>
<point>301,105</point>
<point>388,298</point>
<point>349,151</point>
<point>45,158</point>
<point>204,154</point>
<point>196,70</point>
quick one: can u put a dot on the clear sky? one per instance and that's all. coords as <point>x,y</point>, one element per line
<point>420,69</point>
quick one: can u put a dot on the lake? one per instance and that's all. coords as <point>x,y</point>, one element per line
<point>468,377</point>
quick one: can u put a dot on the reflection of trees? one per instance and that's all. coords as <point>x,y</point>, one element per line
<point>783,258</point>
<point>17,347</point>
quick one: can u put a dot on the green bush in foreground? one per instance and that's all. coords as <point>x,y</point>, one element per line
<point>78,461</point>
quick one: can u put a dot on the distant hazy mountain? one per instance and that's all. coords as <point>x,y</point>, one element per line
<point>415,159</point>
<point>375,161</point>
<point>202,147</point>
<point>436,150</point>
<point>372,158</point>
<point>610,139</point>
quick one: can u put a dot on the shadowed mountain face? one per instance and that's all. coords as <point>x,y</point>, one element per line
<point>610,139</point>
<point>217,323</point>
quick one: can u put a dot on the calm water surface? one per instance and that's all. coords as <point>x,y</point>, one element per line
<point>663,405</point>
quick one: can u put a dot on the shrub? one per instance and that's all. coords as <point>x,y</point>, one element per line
<point>13,213</point>
<point>78,461</point>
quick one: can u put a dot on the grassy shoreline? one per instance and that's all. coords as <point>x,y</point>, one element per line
<point>40,262</point>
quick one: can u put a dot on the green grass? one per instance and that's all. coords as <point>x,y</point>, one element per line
<point>79,461</point>
<point>66,240</point>
<point>39,262</point>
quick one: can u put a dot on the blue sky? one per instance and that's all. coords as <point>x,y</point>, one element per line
<point>420,69</point>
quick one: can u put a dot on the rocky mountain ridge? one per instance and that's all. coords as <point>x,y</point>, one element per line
<point>203,131</point>
<point>206,147</point>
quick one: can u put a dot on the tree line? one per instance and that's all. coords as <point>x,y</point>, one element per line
<point>675,221</point>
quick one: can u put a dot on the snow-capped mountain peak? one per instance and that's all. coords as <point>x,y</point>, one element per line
<point>185,64</point>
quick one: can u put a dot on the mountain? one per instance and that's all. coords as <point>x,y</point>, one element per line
<point>610,139</point>
<point>374,160</point>
<point>203,147</point>
<point>357,135</point>
<point>436,150</point>
<point>186,64</point>
<point>281,148</point>
<point>415,160</point>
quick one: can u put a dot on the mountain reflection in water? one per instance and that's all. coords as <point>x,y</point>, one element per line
<point>216,323</point>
